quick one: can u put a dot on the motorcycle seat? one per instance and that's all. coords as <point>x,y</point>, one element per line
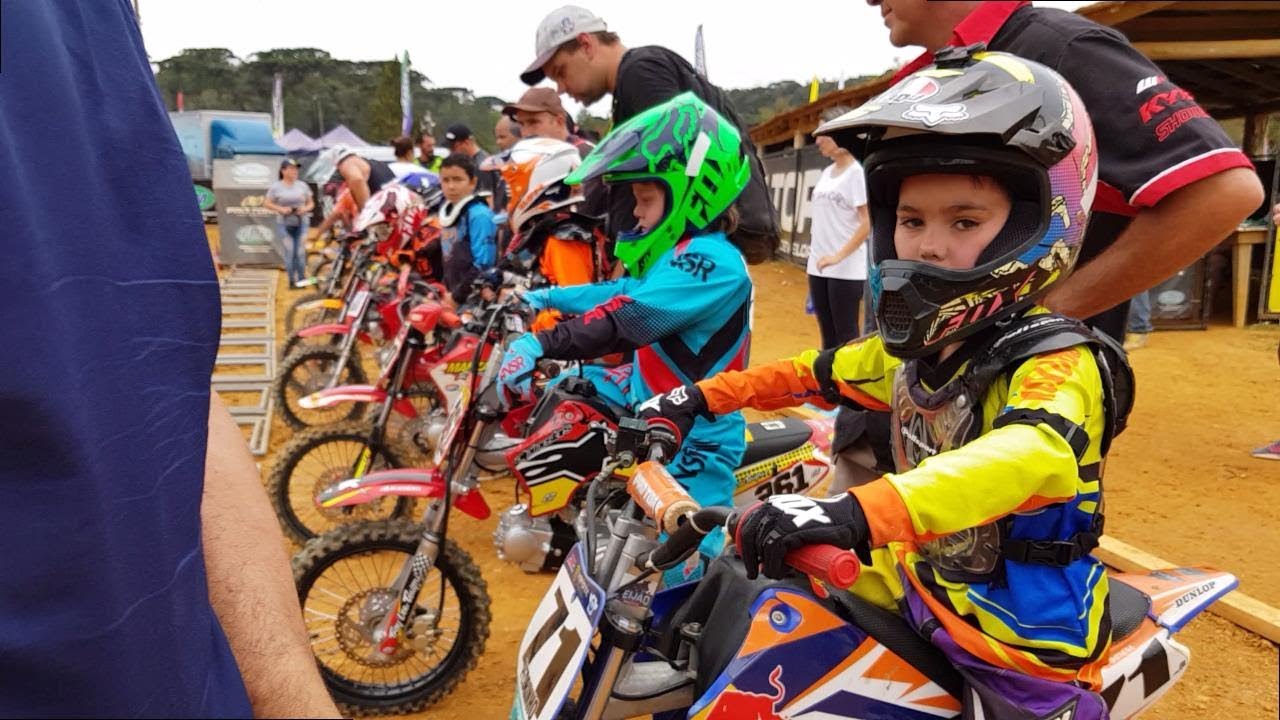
<point>1129,607</point>
<point>771,438</point>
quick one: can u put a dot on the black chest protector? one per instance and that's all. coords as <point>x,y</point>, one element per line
<point>926,423</point>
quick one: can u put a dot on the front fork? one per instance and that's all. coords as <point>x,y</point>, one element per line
<point>622,625</point>
<point>349,342</point>
<point>414,573</point>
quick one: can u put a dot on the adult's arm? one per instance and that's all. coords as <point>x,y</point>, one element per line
<point>855,241</point>
<point>269,203</point>
<point>1161,160</point>
<point>250,585</point>
<point>328,222</point>
<point>1159,242</point>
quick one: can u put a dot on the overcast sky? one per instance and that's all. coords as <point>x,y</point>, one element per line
<point>485,45</point>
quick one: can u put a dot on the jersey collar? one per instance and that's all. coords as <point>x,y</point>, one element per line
<point>980,26</point>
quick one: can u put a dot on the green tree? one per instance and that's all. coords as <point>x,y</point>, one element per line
<point>383,121</point>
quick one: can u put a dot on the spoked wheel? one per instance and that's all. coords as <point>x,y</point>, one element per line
<point>319,266</point>
<point>317,458</point>
<point>295,317</point>
<point>308,370</point>
<point>296,342</point>
<point>345,582</point>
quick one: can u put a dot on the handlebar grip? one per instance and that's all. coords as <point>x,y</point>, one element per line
<point>836,567</point>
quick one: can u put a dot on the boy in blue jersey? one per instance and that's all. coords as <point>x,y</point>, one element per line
<point>468,232</point>
<point>684,309</point>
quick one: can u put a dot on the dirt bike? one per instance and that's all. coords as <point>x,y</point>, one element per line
<point>729,648</point>
<point>331,283</point>
<point>432,350</point>
<point>384,644</point>
<point>329,354</point>
<point>566,443</point>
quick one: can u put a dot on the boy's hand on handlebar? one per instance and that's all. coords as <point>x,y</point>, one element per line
<point>671,416</point>
<point>768,530</point>
<point>535,299</point>
<point>519,363</point>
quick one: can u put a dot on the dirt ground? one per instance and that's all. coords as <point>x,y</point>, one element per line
<point>1180,485</point>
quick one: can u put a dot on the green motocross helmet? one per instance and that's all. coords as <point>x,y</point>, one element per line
<point>685,146</point>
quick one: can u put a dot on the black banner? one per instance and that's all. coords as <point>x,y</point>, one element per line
<point>791,175</point>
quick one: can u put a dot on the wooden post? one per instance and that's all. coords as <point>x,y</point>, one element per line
<point>797,140</point>
<point>1209,49</point>
<point>1255,143</point>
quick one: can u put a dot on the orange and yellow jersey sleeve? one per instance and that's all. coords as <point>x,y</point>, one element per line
<point>860,371</point>
<point>1015,468</point>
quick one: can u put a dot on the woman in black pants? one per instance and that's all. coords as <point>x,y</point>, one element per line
<point>837,247</point>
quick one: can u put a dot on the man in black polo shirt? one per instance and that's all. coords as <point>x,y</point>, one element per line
<point>575,49</point>
<point>1171,183</point>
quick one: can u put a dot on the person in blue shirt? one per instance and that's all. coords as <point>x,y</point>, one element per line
<point>144,573</point>
<point>684,308</point>
<point>468,232</point>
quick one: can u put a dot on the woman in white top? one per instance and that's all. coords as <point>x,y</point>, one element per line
<point>837,246</point>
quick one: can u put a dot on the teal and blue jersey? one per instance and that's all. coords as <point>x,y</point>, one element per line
<point>687,319</point>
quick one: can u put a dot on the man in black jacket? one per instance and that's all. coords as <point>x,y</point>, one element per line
<point>575,49</point>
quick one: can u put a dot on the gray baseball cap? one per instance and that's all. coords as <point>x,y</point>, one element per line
<point>559,27</point>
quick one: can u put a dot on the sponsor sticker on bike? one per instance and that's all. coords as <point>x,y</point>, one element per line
<point>452,424</point>
<point>358,303</point>
<point>556,642</point>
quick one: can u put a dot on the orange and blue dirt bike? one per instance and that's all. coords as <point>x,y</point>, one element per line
<point>608,642</point>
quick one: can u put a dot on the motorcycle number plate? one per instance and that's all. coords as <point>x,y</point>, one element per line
<point>555,644</point>
<point>357,303</point>
<point>392,353</point>
<point>452,423</point>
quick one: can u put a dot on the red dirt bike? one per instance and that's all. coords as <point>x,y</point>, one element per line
<point>729,648</point>
<point>567,443</point>
<point>333,286</point>
<point>402,432</point>
<point>397,613</point>
<point>327,354</point>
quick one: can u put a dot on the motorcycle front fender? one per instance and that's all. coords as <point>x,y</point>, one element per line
<point>322,304</point>
<point>325,329</point>
<point>400,482</point>
<point>355,393</point>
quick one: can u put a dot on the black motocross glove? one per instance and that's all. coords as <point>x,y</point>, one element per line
<point>769,530</point>
<point>671,416</point>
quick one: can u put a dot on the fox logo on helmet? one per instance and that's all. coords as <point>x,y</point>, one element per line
<point>934,115</point>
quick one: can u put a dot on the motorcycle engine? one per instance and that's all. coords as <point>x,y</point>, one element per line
<point>535,544</point>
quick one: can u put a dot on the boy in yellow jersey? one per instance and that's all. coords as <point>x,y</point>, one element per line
<point>981,172</point>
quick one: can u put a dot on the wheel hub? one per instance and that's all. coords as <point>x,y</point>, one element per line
<point>358,623</point>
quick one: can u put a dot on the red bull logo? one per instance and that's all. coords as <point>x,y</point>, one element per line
<point>741,705</point>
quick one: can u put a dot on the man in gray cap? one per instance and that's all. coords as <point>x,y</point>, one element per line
<point>575,49</point>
